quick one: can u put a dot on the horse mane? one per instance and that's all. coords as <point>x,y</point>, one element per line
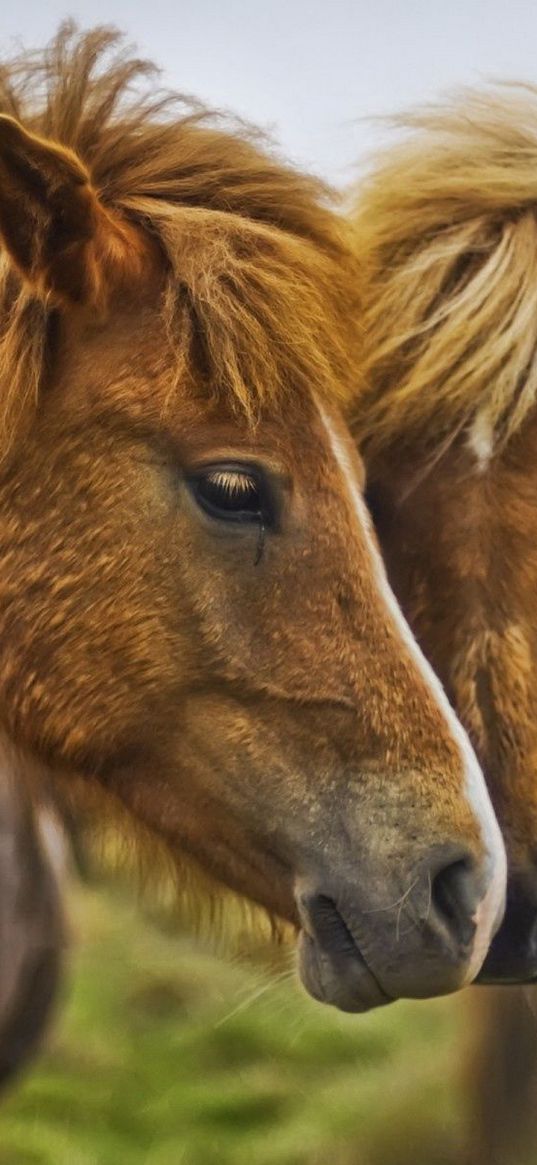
<point>446,232</point>
<point>260,269</point>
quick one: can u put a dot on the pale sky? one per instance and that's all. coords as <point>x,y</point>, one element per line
<point>311,71</point>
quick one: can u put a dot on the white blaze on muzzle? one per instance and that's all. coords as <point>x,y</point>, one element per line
<point>491,908</point>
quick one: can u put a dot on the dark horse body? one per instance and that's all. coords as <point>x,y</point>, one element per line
<point>31,929</point>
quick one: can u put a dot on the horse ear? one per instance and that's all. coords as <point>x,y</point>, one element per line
<point>57,233</point>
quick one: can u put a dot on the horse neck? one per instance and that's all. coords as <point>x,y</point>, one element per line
<point>459,537</point>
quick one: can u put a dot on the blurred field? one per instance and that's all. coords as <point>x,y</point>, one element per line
<point>169,1054</point>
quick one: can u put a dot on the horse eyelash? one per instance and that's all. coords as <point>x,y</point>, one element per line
<point>232,482</point>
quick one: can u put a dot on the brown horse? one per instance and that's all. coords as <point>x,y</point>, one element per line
<point>193,614</point>
<point>31,932</point>
<point>446,230</point>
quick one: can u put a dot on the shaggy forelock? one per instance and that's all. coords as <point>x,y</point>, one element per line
<point>257,258</point>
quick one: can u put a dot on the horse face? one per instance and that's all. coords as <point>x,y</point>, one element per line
<point>193,613</point>
<point>460,543</point>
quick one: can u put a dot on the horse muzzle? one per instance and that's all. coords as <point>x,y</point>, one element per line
<point>358,951</point>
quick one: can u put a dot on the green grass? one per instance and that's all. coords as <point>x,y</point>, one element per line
<point>166,1054</point>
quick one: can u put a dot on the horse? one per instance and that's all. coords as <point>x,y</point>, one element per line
<point>31,926</point>
<point>195,624</point>
<point>446,234</point>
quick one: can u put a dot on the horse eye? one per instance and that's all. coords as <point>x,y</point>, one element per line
<point>231,493</point>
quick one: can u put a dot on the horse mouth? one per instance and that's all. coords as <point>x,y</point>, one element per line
<point>331,967</point>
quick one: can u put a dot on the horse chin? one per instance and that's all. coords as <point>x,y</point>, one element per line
<point>340,977</point>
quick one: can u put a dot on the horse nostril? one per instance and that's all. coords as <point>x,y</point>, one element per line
<point>455,897</point>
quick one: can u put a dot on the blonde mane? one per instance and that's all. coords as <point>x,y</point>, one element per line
<point>261,276</point>
<point>446,233</point>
